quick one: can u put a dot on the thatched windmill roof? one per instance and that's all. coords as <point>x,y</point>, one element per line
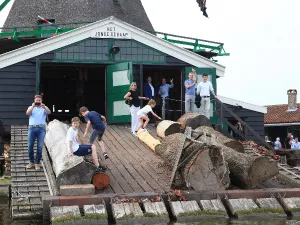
<point>25,13</point>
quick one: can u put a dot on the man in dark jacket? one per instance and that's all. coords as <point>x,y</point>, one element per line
<point>149,93</point>
<point>149,89</point>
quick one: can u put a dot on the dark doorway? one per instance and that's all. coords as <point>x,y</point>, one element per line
<point>175,73</point>
<point>67,87</point>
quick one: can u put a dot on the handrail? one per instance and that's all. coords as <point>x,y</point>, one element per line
<point>243,123</point>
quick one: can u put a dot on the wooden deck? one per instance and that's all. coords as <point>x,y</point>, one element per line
<point>132,166</point>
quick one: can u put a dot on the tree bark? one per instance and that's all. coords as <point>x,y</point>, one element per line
<point>68,170</point>
<point>147,138</point>
<point>167,127</point>
<point>205,170</point>
<point>220,138</point>
<point>246,171</point>
<point>194,120</point>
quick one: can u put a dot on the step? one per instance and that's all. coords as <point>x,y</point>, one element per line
<point>29,189</point>
<point>28,174</point>
<point>23,169</point>
<point>27,179</point>
<point>29,184</point>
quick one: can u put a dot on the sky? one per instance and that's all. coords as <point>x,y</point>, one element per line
<point>263,40</point>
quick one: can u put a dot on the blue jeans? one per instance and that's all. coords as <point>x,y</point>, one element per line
<point>34,133</point>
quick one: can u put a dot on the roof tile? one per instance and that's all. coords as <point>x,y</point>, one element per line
<point>279,114</point>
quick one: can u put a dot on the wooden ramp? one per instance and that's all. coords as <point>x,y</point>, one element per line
<point>132,166</point>
<point>27,185</point>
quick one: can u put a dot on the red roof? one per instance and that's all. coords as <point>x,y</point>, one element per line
<point>279,114</point>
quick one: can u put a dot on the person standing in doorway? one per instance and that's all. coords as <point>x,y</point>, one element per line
<point>99,123</point>
<point>277,144</point>
<point>164,94</point>
<point>149,93</point>
<point>37,113</point>
<point>149,89</point>
<point>288,141</point>
<point>134,98</point>
<point>190,91</point>
<point>296,144</point>
<point>204,89</point>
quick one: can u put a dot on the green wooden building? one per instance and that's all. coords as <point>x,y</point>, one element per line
<point>80,67</point>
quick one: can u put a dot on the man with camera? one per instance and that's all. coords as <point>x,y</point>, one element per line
<point>37,113</point>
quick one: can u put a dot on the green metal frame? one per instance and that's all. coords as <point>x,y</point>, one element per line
<point>4,3</point>
<point>195,44</point>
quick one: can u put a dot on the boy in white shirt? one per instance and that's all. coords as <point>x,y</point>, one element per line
<point>80,150</point>
<point>143,114</point>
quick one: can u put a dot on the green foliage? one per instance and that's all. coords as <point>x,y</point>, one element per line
<point>259,210</point>
<point>202,212</point>
<point>66,219</point>
<point>95,216</point>
<point>5,180</point>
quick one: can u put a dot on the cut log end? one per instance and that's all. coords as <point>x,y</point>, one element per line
<point>168,127</point>
<point>194,120</point>
<point>261,170</point>
<point>100,180</point>
<point>235,145</point>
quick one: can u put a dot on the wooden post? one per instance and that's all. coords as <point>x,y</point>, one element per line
<point>221,118</point>
<point>163,109</point>
<point>141,84</point>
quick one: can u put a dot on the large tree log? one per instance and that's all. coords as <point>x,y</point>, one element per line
<point>201,166</point>
<point>194,120</point>
<point>246,171</point>
<point>68,170</point>
<point>167,127</point>
<point>147,138</point>
<point>220,138</point>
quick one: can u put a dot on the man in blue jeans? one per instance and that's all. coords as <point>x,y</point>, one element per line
<point>98,122</point>
<point>37,113</point>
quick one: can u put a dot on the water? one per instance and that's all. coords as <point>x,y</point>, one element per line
<point>5,220</point>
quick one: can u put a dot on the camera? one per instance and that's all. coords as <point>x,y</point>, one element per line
<point>37,103</point>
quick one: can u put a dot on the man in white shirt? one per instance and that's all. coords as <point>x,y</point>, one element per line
<point>204,88</point>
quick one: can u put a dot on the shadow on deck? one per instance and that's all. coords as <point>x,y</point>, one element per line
<point>132,166</point>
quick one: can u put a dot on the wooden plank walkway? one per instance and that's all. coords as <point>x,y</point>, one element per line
<point>27,185</point>
<point>132,166</point>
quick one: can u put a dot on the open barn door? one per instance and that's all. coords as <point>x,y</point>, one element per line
<point>119,77</point>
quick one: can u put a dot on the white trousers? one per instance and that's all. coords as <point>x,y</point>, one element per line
<point>205,107</point>
<point>134,118</point>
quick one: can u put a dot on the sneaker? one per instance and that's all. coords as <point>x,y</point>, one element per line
<point>135,134</point>
<point>102,168</point>
<point>105,155</point>
<point>145,130</point>
<point>37,166</point>
<point>30,165</point>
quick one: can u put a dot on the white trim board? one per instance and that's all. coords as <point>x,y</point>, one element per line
<point>281,124</point>
<point>84,32</point>
<point>230,101</point>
